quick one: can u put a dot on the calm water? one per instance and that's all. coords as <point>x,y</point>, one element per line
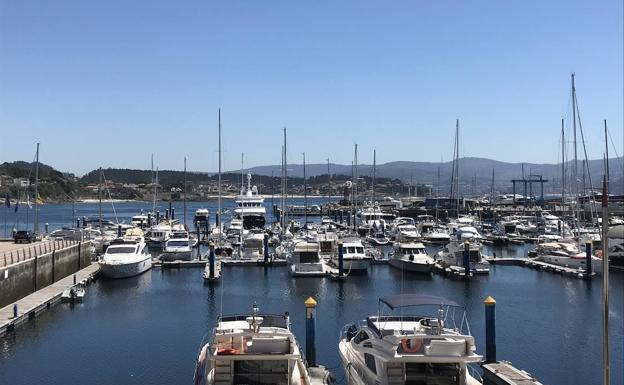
<point>148,329</point>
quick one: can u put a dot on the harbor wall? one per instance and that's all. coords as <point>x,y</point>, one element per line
<point>23,278</point>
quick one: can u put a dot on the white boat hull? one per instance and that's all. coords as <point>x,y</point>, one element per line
<point>125,270</point>
<point>353,265</point>
<point>413,266</point>
<point>307,269</point>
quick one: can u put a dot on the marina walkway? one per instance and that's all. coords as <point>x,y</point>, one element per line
<point>33,304</point>
<point>11,253</point>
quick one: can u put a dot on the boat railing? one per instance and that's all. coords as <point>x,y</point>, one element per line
<point>268,320</point>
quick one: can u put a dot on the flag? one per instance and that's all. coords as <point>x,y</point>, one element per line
<point>7,201</point>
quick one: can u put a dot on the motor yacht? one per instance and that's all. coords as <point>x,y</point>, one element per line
<point>250,207</point>
<point>452,256</point>
<point>304,259</point>
<point>565,254</point>
<point>257,349</point>
<point>178,247</point>
<point>411,256</point>
<point>354,258</point>
<point>127,256</point>
<point>425,349</point>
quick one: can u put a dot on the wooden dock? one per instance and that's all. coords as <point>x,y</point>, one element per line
<point>41,300</point>
<point>503,373</point>
<point>556,269</point>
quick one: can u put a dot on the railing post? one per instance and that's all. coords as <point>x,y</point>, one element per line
<point>490,330</point>
<point>310,305</point>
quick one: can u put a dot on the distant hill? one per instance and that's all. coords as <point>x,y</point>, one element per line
<point>472,171</point>
<point>53,183</point>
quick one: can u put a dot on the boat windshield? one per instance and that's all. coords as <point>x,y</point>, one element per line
<point>410,251</point>
<point>354,250</point>
<point>121,250</point>
<point>261,372</point>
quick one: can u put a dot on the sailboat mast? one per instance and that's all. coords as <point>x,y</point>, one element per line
<point>154,182</point>
<point>184,202</point>
<point>100,197</point>
<point>356,176</point>
<point>575,168</point>
<point>457,164</point>
<point>219,182</point>
<point>563,175</point>
<point>305,195</point>
<point>374,172</point>
<point>36,228</point>
<point>285,179</point>
<point>607,149</point>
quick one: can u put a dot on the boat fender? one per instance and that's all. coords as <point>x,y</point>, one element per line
<point>411,345</point>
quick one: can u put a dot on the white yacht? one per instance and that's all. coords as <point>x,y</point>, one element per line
<point>235,232</point>
<point>257,349</point>
<point>178,247</point>
<point>371,219</point>
<point>304,260</point>
<point>411,256</point>
<point>250,207</point>
<point>410,349</point>
<point>354,258</point>
<point>452,256</point>
<point>140,221</point>
<point>253,245</point>
<point>565,254</point>
<point>127,256</point>
<point>406,232</point>
<point>159,234</point>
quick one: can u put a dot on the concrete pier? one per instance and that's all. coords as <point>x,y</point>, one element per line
<point>41,300</point>
<point>38,265</point>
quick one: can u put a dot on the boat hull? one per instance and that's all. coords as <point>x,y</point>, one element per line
<point>353,265</point>
<point>414,267</point>
<point>177,256</point>
<point>125,270</point>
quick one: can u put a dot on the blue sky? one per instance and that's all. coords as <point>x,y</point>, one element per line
<point>110,82</point>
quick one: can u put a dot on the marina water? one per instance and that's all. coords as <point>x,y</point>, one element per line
<point>148,329</point>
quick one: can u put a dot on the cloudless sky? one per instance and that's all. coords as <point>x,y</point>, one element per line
<point>111,82</point>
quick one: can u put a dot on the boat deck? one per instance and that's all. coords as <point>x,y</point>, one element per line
<point>41,300</point>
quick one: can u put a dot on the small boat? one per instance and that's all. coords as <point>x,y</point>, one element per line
<point>428,348</point>
<point>255,349</point>
<point>216,273</point>
<point>565,254</point>
<point>452,256</point>
<point>411,256</point>
<point>73,294</point>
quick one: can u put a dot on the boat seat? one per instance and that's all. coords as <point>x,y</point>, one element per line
<point>446,347</point>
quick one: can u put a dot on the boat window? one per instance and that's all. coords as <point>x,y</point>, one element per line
<point>361,336</point>
<point>261,372</point>
<point>308,257</point>
<point>423,373</point>
<point>178,243</point>
<point>475,256</point>
<point>370,362</point>
<point>360,250</point>
<point>121,250</point>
